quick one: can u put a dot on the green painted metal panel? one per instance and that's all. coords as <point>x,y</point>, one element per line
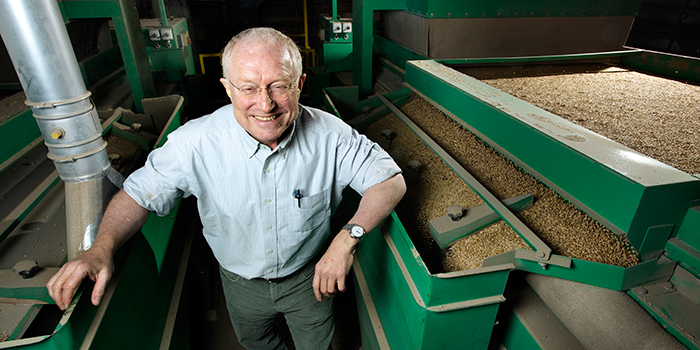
<point>596,57</point>
<point>317,79</point>
<point>670,65</point>
<point>344,99</point>
<point>168,60</point>
<point>99,66</point>
<point>622,189</point>
<point>423,310</point>
<point>17,133</point>
<point>363,29</point>
<point>440,333</point>
<point>174,123</point>
<point>664,322</point>
<point>153,231</point>
<point>512,332</point>
<point>687,256</point>
<point>377,108</point>
<point>335,52</point>
<point>522,8</point>
<point>660,206</point>
<point>597,274</point>
<point>129,323</point>
<point>369,340</point>
<point>395,53</point>
<point>400,318</point>
<point>688,231</point>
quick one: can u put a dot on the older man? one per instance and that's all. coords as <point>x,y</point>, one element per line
<point>267,174</point>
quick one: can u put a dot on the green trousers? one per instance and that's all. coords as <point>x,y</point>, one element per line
<point>253,305</point>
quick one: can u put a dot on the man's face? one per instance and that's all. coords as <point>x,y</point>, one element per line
<point>253,66</point>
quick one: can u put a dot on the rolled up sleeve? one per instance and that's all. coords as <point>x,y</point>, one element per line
<point>367,161</point>
<point>157,185</point>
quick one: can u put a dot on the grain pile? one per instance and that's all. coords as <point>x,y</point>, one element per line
<point>127,151</point>
<point>559,224</point>
<point>657,117</point>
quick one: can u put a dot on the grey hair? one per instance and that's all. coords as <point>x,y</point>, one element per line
<point>268,36</point>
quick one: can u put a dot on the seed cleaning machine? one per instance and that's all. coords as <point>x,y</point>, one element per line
<point>76,95</point>
<point>524,298</point>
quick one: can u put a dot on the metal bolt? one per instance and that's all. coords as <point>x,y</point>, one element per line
<point>366,109</point>
<point>114,158</point>
<point>669,286</point>
<point>57,133</point>
<point>541,255</point>
<point>643,291</point>
<point>388,134</point>
<point>455,212</point>
<point>136,127</point>
<point>26,268</point>
<point>414,165</point>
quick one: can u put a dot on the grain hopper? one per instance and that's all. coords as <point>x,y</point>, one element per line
<point>606,257</point>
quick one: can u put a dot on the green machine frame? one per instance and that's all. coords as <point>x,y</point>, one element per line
<point>654,205</point>
<point>128,30</point>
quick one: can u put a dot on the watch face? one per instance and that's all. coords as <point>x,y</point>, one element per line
<point>357,231</point>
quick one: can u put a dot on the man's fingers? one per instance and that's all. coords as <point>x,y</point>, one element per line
<point>57,286</point>
<point>51,286</point>
<point>330,288</point>
<point>317,284</point>
<point>341,284</point>
<point>98,291</point>
<point>69,287</point>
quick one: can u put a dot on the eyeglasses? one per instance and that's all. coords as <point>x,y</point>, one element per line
<point>276,91</point>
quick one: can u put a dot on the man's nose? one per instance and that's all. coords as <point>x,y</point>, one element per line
<point>263,97</point>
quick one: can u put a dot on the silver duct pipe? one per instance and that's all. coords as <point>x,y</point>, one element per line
<point>38,44</point>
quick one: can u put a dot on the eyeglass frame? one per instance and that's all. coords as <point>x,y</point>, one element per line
<point>259,90</point>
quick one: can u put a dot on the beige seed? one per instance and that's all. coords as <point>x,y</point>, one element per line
<point>563,227</point>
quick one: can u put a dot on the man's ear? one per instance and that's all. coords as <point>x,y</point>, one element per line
<point>224,82</point>
<point>302,78</point>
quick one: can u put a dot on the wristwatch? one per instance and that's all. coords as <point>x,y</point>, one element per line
<point>356,231</point>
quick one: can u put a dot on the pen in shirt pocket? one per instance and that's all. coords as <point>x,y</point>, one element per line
<point>297,194</point>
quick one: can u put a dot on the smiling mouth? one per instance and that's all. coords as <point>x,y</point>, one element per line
<point>266,119</point>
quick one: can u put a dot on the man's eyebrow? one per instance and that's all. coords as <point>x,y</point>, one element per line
<point>277,81</point>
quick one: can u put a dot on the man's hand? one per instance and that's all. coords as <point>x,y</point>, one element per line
<point>376,203</point>
<point>95,263</point>
<point>334,266</point>
<point>121,220</point>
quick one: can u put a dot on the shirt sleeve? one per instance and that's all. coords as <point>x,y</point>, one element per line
<point>157,186</point>
<point>366,161</point>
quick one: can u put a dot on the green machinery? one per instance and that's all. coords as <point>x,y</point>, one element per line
<point>409,51</point>
<point>136,108</point>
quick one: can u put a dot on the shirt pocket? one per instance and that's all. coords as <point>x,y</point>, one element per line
<point>309,212</point>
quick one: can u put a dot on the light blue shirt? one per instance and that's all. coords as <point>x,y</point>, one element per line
<point>253,223</point>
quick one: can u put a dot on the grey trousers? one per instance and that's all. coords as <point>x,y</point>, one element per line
<point>253,305</point>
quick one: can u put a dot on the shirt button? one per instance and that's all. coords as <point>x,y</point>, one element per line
<point>271,251</point>
<point>269,227</point>
<point>268,200</point>
<point>271,271</point>
<point>267,171</point>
